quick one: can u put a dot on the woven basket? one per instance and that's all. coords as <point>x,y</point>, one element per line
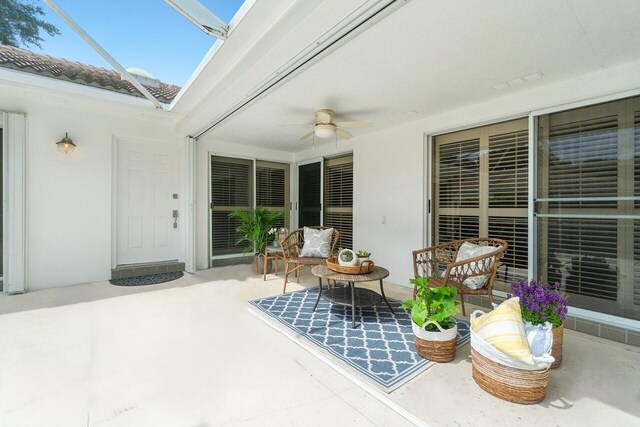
<point>510,384</point>
<point>556,349</point>
<point>436,346</point>
<point>436,351</point>
<point>366,267</point>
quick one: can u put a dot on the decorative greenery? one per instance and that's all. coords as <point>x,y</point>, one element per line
<point>20,23</point>
<point>346,256</point>
<point>540,303</point>
<point>435,304</point>
<point>255,226</point>
<point>363,254</point>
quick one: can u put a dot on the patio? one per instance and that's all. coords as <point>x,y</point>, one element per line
<point>190,352</point>
<point>399,124</point>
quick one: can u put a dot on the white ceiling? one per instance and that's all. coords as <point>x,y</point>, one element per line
<point>426,58</point>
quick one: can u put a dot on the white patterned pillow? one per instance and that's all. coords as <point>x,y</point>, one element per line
<point>317,243</point>
<point>469,250</point>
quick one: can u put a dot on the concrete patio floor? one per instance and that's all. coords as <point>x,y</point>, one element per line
<point>190,353</point>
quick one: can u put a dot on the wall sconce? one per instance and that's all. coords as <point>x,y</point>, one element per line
<point>66,145</point>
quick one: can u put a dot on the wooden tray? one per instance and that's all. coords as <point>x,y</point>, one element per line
<point>366,267</point>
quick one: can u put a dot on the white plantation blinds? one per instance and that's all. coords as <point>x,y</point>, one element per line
<point>338,197</point>
<point>508,170</point>
<point>587,214</point>
<point>583,161</point>
<point>457,227</point>
<point>515,260</point>
<point>481,190</point>
<point>231,189</point>
<point>272,187</point>
<point>459,178</point>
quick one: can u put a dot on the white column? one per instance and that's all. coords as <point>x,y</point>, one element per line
<point>190,264</point>
<point>14,202</point>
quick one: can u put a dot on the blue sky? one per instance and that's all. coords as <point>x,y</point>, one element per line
<point>146,34</point>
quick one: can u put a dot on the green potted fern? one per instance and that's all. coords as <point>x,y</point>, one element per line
<point>435,330</point>
<point>254,232</point>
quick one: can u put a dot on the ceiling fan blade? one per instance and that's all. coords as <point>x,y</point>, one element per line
<point>307,135</point>
<point>354,124</point>
<point>297,125</point>
<point>343,134</point>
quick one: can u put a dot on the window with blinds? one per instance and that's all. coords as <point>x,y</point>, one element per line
<point>338,197</point>
<point>587,207</point>
<point>272,188</point>
<point>481,190</point>
<point>231,189</point>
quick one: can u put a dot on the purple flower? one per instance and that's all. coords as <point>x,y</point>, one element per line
<point>540,302</point>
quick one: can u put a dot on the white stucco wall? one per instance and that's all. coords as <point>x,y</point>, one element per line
<point>389,166</point>
<point>69,196</point>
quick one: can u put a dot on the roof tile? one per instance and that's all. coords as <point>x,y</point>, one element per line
<point>88,75</point>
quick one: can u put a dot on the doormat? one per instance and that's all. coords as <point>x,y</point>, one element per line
<point>380,349</point>
<point>149,279</point>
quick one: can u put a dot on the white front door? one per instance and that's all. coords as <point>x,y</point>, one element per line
<point>148,179</point>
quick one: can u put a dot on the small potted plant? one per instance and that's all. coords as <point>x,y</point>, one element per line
<point>435,331</point>
<point>254,231</point>
<point>347,257</point>
<point>540,304</point>
<point>363,256</point>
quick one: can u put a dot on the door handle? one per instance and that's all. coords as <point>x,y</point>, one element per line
<point>175,218</point>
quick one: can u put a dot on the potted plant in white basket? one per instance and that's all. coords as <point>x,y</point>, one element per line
<point>363,256</point>
<point>435,330</point>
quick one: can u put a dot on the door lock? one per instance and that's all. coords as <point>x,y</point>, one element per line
<point>175,218</point>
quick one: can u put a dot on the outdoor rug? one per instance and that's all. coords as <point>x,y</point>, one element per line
<point>381,347</point>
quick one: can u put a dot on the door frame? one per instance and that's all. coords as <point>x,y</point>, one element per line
<point>14,202</point>
<point>186,236</point>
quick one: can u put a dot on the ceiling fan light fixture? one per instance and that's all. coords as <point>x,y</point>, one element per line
<point>324,130</point>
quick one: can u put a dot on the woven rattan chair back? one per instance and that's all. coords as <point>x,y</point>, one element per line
<point>439,264</point>
<point>292,247</point>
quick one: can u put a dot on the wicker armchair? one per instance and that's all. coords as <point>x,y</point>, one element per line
<point>291,248</point>
<point>428,262</point>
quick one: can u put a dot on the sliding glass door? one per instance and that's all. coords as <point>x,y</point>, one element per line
<point>234,183</point>
<point>310,194</point>
<point>481,190</point>
<point>338,197</point>
<point>231,189</point>
<point>272,188</point>
<point>325,195</point>
<point>588,205</point>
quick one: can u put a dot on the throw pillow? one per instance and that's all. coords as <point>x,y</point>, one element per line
<point>503,329</point>
<point>469,250</point>
<point>317,243</point>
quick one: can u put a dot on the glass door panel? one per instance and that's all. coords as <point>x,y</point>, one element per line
<point>588,205</point>
<point>310,194</point>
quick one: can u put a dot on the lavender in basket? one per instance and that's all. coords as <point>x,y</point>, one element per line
<point>541,303</point>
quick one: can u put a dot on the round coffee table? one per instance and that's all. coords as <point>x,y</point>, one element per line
<point>352,297</point>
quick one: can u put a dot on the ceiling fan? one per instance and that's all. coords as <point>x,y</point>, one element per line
<point>325,127</point>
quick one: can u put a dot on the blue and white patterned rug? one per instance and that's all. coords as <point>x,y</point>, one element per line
<point>380,348</point>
